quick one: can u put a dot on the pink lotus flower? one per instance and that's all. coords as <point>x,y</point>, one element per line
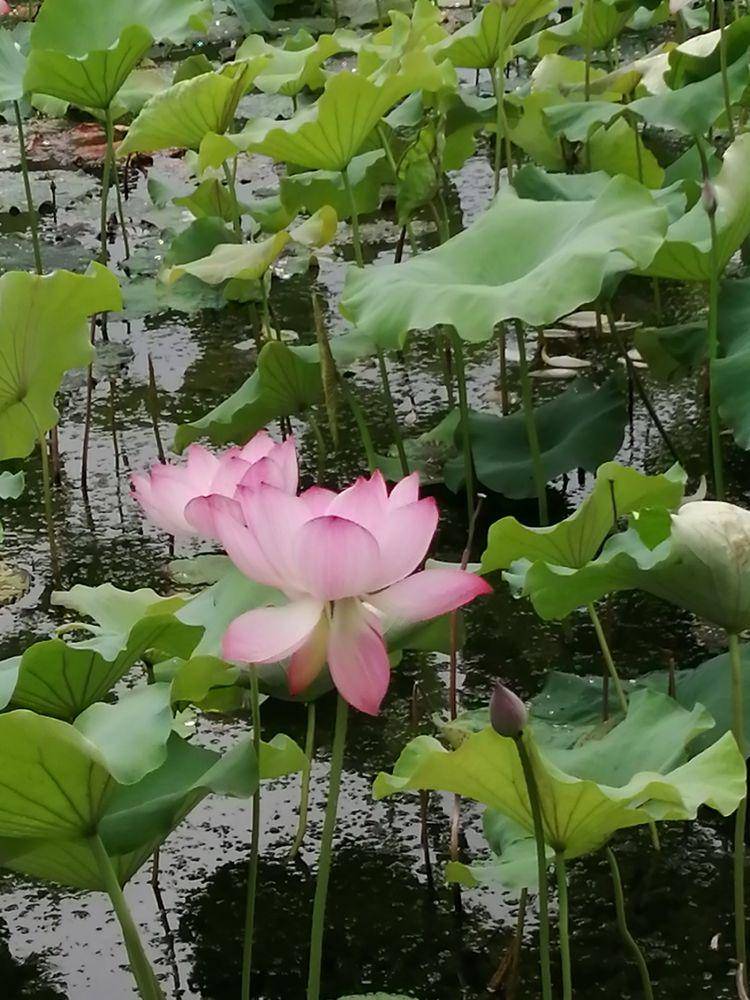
<point>166,490</point>
<point>4,8</point>
<point>348,563</point>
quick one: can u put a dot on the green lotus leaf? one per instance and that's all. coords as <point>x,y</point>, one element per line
<point>618,491</point>
<point>290,70</point>
<point>62,679</point>
<point>360,13</point>
<point>729,373</point>
<point>286,381</point>
<point>312,190</point>
<point>210,199</point>
<point>246,261</point>
<point>328,135</point>
<point>621,150</point>
<point>12,485</point>
<point>318,230</point>
<point>700,58</point>
<point>132,820</point>
<point>581,427</point>
<point>131,735</point>
<point>485,42</point>
<point>184,115</point>
<point>12,67</point>
<point>43,334</point>
<point>198,680</point>
<point>581,813</point>
<point>83,53</point>
<point>673,352</point>
<point>530,130</point>
<point>562,254</point>
<point>593,27</point>
<point>686,251</point>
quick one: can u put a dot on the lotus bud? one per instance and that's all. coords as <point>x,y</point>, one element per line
<point>508,714</point>
<point>708,197</point>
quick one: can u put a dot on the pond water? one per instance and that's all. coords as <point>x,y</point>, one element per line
<point>391,926</point>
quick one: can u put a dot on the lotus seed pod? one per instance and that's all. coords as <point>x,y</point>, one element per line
<point>508,714</point>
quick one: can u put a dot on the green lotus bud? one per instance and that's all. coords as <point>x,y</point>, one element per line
<point>708,571</point>
<point>708,197</point>
<point>508,714</point>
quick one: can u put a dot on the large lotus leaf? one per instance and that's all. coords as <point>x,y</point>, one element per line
<point>618,491</point>
<point>579,814</point>
<point>245,261</point>
<point>686,251</point>
<point>131,735</point>
<point>730,373</point>
<point>206,682</point>
<point>604,23</point>
<point>184,115</point>
<point>312,190</point>
<point>534,261</point>
<point>290,70</point>
<point>621,150</point>
<point>485,42</point>
<point>328,135</point>
<point>286,380</point>
<point>82,51</point>
<point>530,131</point>
<point>12,68</point>
<point>673,352</point>
<point>702,59</point>
<point>62,679</point>
<point>43,334</point>
<point>581,427</point>
<point>135,819</point>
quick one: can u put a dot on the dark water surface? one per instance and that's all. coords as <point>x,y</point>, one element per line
<point>388,929</point>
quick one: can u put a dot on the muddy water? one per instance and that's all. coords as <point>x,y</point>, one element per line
<point>390,927</point>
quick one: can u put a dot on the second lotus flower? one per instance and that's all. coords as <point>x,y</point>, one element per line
<point>348,564</point>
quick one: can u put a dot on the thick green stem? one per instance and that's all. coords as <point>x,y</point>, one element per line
<point>532,434</point>
<point>713,353</point>
<point>27,187</point>
<point>564,926</point>
<point>392,415</point>
<point>304,798</point>
<point>622,923</point>
<point>356,237</point>
<point>106,178</point>
<point>463,405</point>
<point>364,430</point>
<point>148,987</point>
<point>252,871</point>
<point>541,858</point>
<point>738,728</point>
<point>502,135</point>
<point>326,852</point>
<point>721,11</point>
<point>383,136</point>
<point>608,660</point>
<point>236,214</point>
<point>118,193</point>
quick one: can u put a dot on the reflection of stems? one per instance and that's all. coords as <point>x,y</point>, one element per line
<point>304,798</point>
<point>118,192</point>
<point>47,488</point>
<point>463,405</point>
<point>27,187</point>
<point>638,383</point>
<point>252,872</point>
<point>738,728</point>
<point>143,974</point>
<point>541,856</point>
<point>713,352</point>
<point>532,433</point>
<point>232,188</point>
<point>622,923</point>
<point>608,660</point>
<point>326,851</point>
<point>564,929</point>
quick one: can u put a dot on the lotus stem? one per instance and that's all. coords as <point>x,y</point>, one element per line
<point>502,135</point>
<point>146,981</point>
<point>639,386</point>
<point>27,188</point>
<point>252,871</point>
<point>622,923</point>
<point>326,851</point>
<point>304,798</point>
<point>153,407</point>
<point>229,176</point>
<point>531,429</point>
<point>503,344</point>
<point>385,143</point>
<point>320,444</point>
<point>392,415</point>
<point>713,353</point>
<point>328,369</point>
<point>738,729</point>
<point>463,405</point>
<point>722,16</point>
<point>356,237</point>
<point>106,178</point>
<point>118,193</point>
<point>364,430</point>
<point>608,659</point>
<point>532,790</point>
<point>564,925</point>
